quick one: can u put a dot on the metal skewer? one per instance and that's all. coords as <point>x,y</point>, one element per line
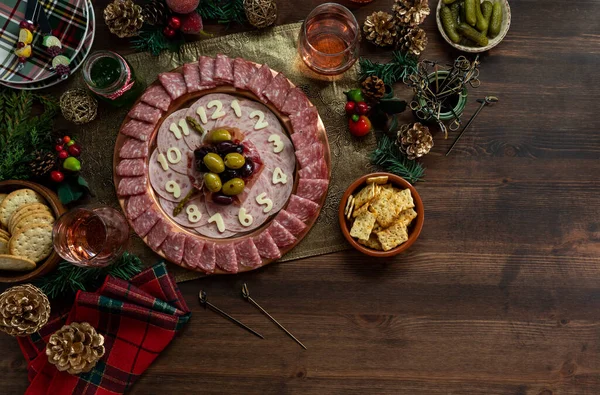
<point>484,102</point>
<point>246,295</point>
<point>206,303</point>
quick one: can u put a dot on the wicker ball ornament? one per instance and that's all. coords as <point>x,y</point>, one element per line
<point>260,13</point>
<point>75,348</point>
<point>24,309</point>
<point>414,140</point>
<point>78,106</point>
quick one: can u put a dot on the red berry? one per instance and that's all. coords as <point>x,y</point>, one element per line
<point>63,154</point>
<point>75,150</point>
<point>168,32</point>
<point>175,22</point>
<point>57,176</point>
<point>24,24</point>
<point>22,59</point>
<point>350,106</point>
<point>58,147</point>
<point>362,108</point>
<point>66,139</point>
<point>20,44</point>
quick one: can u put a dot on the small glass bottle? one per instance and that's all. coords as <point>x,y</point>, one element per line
<point>112,79</point>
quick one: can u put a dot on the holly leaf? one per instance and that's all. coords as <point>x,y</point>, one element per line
<point>72,189</point>
<point>392,106</point>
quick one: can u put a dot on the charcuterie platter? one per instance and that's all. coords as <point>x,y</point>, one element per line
<point>222,166</point>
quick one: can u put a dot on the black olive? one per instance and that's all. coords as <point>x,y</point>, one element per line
<point>221,198</point>
<point>247,169</point>
<point>228,174</point>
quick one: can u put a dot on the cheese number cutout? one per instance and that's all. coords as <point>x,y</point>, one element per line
<point>173,187</point>
<point>279,176</point>
<point>219,110</point>
<point>260,124</point>
<point>277,143</point>
<point>236,108</point>
<point>219,221</point>
<point>262,199</point>
<point>245,218</point>
<point>202,114</point>
<point>175,130</point>
<point>173,155</point>
<point>184,127</point>
<point>194,215</point>
<point>163,162</point>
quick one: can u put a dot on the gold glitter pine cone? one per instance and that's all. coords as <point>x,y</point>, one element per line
<point>75,348</point>
<point>411,12</point>
<point>412,40</point>
<point>373,88</point>
<point>78,106</point>
<point>42,163</point>
<point>155,12</point>
<point>260,13</point>
<point>380,28</point>
<point>415,140</point>
<point>123,18</point>
<point>24,309</point>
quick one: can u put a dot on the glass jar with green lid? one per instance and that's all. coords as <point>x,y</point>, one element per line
<point>112,79</point>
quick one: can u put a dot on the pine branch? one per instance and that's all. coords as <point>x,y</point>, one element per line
<point>399,67</point>
<point>388,156</point>
<point>154,41</point>
<point>223,11</point>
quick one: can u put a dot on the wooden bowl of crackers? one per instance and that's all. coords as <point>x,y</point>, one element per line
<point>381,214</point>
<point>27,214</point>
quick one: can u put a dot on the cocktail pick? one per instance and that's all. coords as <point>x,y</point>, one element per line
<point>206,303</point>
<point>246,295</point>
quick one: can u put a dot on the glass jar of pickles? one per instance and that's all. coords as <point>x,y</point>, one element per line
<point>111,78</point>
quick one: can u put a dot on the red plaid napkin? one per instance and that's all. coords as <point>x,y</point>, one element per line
<point>138,319</point>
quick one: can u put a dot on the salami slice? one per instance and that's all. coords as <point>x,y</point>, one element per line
<point>170,141</point>
<point>312,189</point>
<point>266,246</point>
<point>304,139</point>
<point>207,70</point>
<point>305,120</point>
<point>303,209</point>
<point>174,84</point>
<point>132,186</point>
<point>247,254</point>
<point>260,80</point>
<point>191,75</point>
<point>136,205</point>
<point>317,170</point>
<point>138,130</point>
<point>289,221</point>
<point>193,215</point>
<point>281,236</point>
<point>132,167</point>
<point>158,234</point>
<point>208,257</point>
<point>174,246</point>
<point>192,253</point>
<point>225,257</point>
<point>146,113</point>
<point>277,90</point>
<point>160,177</point>
<point>223,69</point>
<point>144,223</point>
<point>310,154</point>
<point>295,101</point>
<point>242,73</point>
<point>157,97</point>
<point>133,149</point>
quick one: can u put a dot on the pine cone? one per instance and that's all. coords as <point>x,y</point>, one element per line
<point>415,140</point>
<point>123,18</point>
<point>155,12</point>
<point>76,348</point>
<point>42,163</point>
<point>411,12</point>
<point>24,309</point>
<point>412,40</point>
<point>380,28</point>
<point>373,88</point>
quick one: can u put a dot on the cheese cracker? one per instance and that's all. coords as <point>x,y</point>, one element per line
<point>386,212</point>
<point>403,199</point>
<point>363,225</point>
<point>392,236</point>
<point>33,242</point>
<point>364,196</point>
<point>372,242</point>
<point>407,216</point>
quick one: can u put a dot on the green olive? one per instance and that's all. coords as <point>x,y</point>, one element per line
<point>234,160</point>
<point>235,186</point>
<point>212,182</point>
<point>214,162</point>
<point>218,135</point>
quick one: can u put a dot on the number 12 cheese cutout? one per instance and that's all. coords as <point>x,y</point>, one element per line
<point>277,143</point>
<point>279,176</point>
<point>219,113</point>
<point>236,108</point>
<point>262,199</point>
<point>261,123</point>
<point>202,114</point>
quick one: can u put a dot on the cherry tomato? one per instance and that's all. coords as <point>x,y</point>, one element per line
<point>57,176</point>
<point>58,147</point>
<point>350,107</point>
<point>66,139</point>
<point>63,154</point>
<point>360,126</point>
<point>75,150</point>
<point>362,108</point>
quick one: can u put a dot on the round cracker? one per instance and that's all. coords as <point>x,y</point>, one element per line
<point>16,263</point>
<point>4,234</point>
<point>3,246</point>
<point>27,208</point>
<point>16,218</point>
<point>33,242</point>
<point>16,199</point>
<point>35,218</point>
<point>2,196</point>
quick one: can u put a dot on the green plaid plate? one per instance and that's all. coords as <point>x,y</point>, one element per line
<point>69,22</point>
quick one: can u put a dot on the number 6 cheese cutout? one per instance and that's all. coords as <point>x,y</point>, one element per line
<point>277,143</point>
<point>173,187</point>
<point>245,218</point>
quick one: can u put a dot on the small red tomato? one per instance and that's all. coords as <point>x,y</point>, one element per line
<point>63,154</point>
<point>75,150</point>
<point>350,106</point>
<point>362,108</point>
<point>57,176</point>
<point>66,139</point>
<point>360,127</point>
<point>58,147</point>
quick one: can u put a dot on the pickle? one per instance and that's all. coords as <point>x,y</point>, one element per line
<point>482,23</point>
<point>486,10</point>
<point>448,1</point>
<point>449,24</point>
<point>462,12</point>
<point>470,13</point>
<point>473,35</point>
<point>496,20</point>
<point>455,8</point>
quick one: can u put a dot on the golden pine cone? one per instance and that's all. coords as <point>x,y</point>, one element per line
<point>123,18</point>
<point>373,88</point>
<point>415,140</point>
<point>24,309</point>
<point>76,348</point>
<point>380,28</point>
<point>411,12</point>
<point>412,40</point>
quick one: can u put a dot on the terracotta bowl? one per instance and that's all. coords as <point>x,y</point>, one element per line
<point>413,230</point>
<point>57,208</point>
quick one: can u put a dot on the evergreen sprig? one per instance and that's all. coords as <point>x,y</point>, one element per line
<point>388,156</point>
<point>68,278</point>
<point>223,11</point>
<point>400,66</point>
<point>153,40</point>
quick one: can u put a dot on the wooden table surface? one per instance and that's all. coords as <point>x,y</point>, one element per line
<point>501,293</point>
